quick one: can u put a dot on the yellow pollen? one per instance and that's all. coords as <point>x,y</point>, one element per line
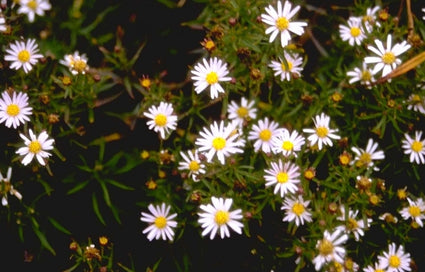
<point>417,146</point>
<point>289,65</point>
<point>160,222</point>
<point>32,4</point>
<point>79,66</point>
<point>355,31</point>
<point>394,261</point>
<point>194,166</point>
<point>282,23</point>
<point>24,56</point>
<point>366,75</point>
<point>282,177</point>
<point>309,174</point>
<point>212,78</point>
<point>298,208</point>
<point>325,247</point>
<point>12,110</point>
<point>160,119</point>
<point>352,224</point>
<point>219,143</point>
<point>221,217</point>
<point>379,270</point>
<point>322,132</point>
<point>265,135</point>
<point>287,145</point>
<point>34,146</point>
<point>388,58</point>
<point>364,160</point>
<point>209,45</point>
<point>414,211</point>
<point>242,112</point>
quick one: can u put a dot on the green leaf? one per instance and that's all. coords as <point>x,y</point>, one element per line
<point>96,209</point>
<point>58,226</point>
<point>78,187</point>
<point>119,185</point>
<point>43,239</point>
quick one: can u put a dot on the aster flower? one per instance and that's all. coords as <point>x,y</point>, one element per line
<point>353,33</point>
<point>210,74</point>
<point>289,68</point>
<point>415,211</point>
<point>330,249</point>
<point>364,75</point>
<point>322,134</point>
<point>14,110</point>
<point>33,7</point>
<point>219,140</point>
<point>192,163</point>
<point>296,209</point>
<point>23,54</point>
<point>377,267</point>
<point>352,224</point>
<point>387,59</point>
<point>218,217</point>
<point>280,21</point>
<point>262,133</point>
<point>416,103</point>
<point>285,177</point>
<point>6,187</point>
<point>76,63</point>
<point>35,146</point>
<point>287,143</point>
<point>395,259</point>
<point>160,223</point>
<point>162,119</point>
<point>366,157</point>
<point>369,20</point>
<point>243,112</point>
<point>415,147</point>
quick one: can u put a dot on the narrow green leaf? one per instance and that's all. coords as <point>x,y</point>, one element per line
<point>58,226</point>
<point>96,210</point>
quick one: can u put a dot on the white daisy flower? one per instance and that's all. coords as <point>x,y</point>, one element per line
<point>14,110</point>
<point>387,57</point>
<point>219,140</point>
<point>365,75</point>
<point>33,7</point>
<point>76,63</point>
<point>415,211</point>
<point>353,33</point>
<point>416,103</point>
<point>369,20</point>
<point>352,224</point>
<point>161,224</point>
<point>192,163</point>
<point>162,119</point>
<point>243,112</point>
<point>209,74</point>
<point>3,26</point>
<point>23,55</point>
<point>279,21</point>
<point>321,134</point>
<point>366,157</point>
<point>285,177</point>
<point>330,249</point>
<point>262,133</point>
<point>217,217</point>
<point>6,187</point>
<point>290,68</point>
<point>395,259</point>
<point>35,146</point>
<point>415,147</point>
<point>287,143</point>
<point>377,267</point>
<point>296,210</point>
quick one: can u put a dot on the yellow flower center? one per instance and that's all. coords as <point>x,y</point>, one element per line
<point>325,247</point>
<point>79,66</point>
<point>394,261</point>
<point>352,224</point>
<point>355,31</point>
<point>194,166</point>
<point>146,83</point>
<point>322,132</point>
<point>414,211</point>
<point>221,217</point>
<point>388,58</point>
<point>344,159</point>
<point>282,23</point>
<point>416,99</point>
<point>298,208</point>
<point>160,119</point>
<point>265,134</point>
<point>12,110</point>
<point>66,80</point>
<point>366,75</point>
<point>242,112</point>
<point>24,56</point>
<point>364,160</point>
<point>160,222</point>
<point>219,143</point>
<point>34,146</point>
<point>282,177</point>
<point>209,45</point>
<point>379,270</point>
<point>309,174</point>
<point>212,78</point>
<point>288,64</point>
<point>416,146</point>
<point>287,145</point>
<point>32,4</point>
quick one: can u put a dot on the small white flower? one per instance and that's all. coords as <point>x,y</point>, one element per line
<point>7,187</point>
<point>395,259</point>
<point>364,75</point>
<point>192,163</point>
<point>416,103</point>
<point>161,224</point>
<point>162,119</point>
<point>3,26</point>
<point>321,134</point>
<point>387,59</point>
<point>376,268</point>
<point>296,209</point>
<point>23,55</point>
<point>285,177</point>
<point>217,217</point>
<point>209,74</point>
<point>369,20</point>
<point>352,224</point>
<point>287,143</point>
<point>353,33</point>
<point>243,112</point>
<point>280,21</point>
<point>76,63</point>
<point>423,17</point>
<point>35,146</point>
<point>330,249</point>
<point>415,211</point>
<point>290,68</point>
<point>33,7</point>
<point>14,110</point>
<point>366,157</point>
<point>415,147</point>
<point>262,133</point>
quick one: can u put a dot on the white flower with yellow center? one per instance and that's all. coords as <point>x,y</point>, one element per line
<point>262,133</point>
<point>219,140</point>
<point>288,68</point>
<point>395,259</point>
<point>369,20</point>
<point>287,143</point>
<point>161,118</point>
<point>217,217</point>
<point>322,134</point>
<point>378,267</point>
<point>352,224</point>
<point>353,33</point>
<point>14,110</point>
<point>6,187</point>
<point>285,177</point>
<point>415,147</point>
<point>210,74</point>
<point>23,55</point>
<point>330,249</point>
<point>415,211</point>
<point>366,157</point>
<point>365,75</point>
<point>33,7</point>
<point>192,163</point>
<point>242,113</point>
<point>76,63</point>
<point>280,21</point>
<point>296,210</point>
<point>160,223</point>
<point>416,103</point>
<point>35,146</point>
<point>387,59</point>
